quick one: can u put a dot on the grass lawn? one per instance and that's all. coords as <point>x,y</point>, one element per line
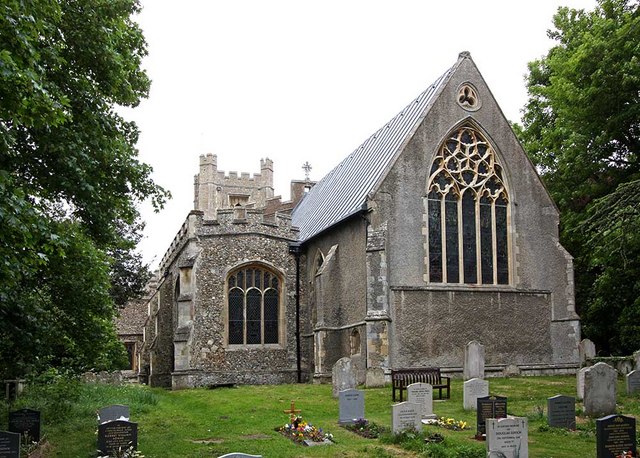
<point>209,423</point>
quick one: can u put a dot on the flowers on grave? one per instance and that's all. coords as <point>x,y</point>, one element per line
<point>129,452</point>
<point>448,423</point>
<point>626,454</point>
<point>299,431</point>
<point>366,428</point>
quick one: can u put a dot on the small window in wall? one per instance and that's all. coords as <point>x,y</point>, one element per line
<point>253,301</point>
<point>468,213</point>
<point>354,341</point>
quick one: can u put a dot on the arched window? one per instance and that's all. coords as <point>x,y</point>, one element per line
<point>468,213</point>
<point>253,295</point>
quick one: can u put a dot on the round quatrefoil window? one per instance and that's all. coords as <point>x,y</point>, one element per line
<point>468,97</point>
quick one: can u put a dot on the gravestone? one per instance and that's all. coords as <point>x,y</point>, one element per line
<point>473,360</point>
<point>561,412</point>
<point>25,422</point>
<point>114,412</point>
<point>489,407</point>
<point>405,415</point>
<point>600,390</point>
<point>422,394</point>
<point>343,376</point>
<point>615,434</point>
<point>633,381</point>
<point>351,406</point>
<point>472,390</point>
<point>508,436</point>
<point>586,351</point>
<point>374,377</point>
<point>580,382</point>
<point>9,445</point>
<point>636,359</point>
<point>117,434</point>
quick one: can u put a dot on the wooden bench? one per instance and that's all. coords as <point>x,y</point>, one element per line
<point>401,378</point>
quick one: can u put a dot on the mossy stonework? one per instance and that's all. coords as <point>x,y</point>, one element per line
<point>436,231</point>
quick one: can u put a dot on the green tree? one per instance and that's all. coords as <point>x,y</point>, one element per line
<point>70,178</point>
<point>581,127</point>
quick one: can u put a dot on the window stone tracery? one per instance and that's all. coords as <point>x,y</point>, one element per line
<point>468,213</point>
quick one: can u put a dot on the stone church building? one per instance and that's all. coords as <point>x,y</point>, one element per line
<point>434,232</point>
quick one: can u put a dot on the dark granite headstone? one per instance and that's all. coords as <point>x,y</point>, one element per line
<point>25,422</point>
<point>490,407</point>
<point>114,412</point>
<point>561,412</point>
<point>9,445</point>
<point>117,434</point>
<point>615,434</point>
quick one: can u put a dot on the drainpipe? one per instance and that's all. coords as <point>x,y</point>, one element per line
<point>294,248</point>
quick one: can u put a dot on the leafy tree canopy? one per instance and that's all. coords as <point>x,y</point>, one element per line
<point>581,127</point>
<point>70,177</point>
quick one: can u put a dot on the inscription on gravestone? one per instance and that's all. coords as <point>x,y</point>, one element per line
<point>405,415</point>
<point>561,412</point>
<point>25,422</point>
<point>9,445</point>
<point>472,390</point>
<point>117,434</point>
<point>489,407</point>
<point>615,434</point>
<point>508,437</point>
<point>422,394</point>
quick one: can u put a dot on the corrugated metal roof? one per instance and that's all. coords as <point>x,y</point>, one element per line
<point>343,191</point>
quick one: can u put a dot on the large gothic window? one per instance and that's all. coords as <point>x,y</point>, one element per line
<point>253,295</point>
<point>468,213</point>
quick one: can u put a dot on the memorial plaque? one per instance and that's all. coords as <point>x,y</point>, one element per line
<point>351,406</point>
<point>561,412</point>
<point>405,415</point>
<point>508,437</point>
<point>615,434</point>
<point>114,412</point>
<point>422,394</point>
<point>490,407</point>
<point>9,445</point>
<point>117,434</point>
<point>25,422</point>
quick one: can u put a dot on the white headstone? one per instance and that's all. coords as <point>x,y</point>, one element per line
<point>422,394</point>
<point>343,376</point>
<point>473,360</point>
<point>351,405</point>
<point>600,390</point>
<point>586,350</point>
<point>633,381</point>
<point>508,436</point>
<point>580,382</point>
<point>405,415</point>
<point>472,390</point>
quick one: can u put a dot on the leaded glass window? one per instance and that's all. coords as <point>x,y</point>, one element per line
<point>468,213</point>
<point>253,295</point>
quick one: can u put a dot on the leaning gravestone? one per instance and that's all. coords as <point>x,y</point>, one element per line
<point>508,437</point>
<point>489,407</point>
<point>114,412</point>
<point>351,406</point>
<point>405,415</point>
<point>473,360</point>
<point>633,381</point>
<point>472,390</point>
<point>422,394</point>
<point>600,390</point>
<point>9,445</point>
<point>561,412</point>
<point>580,382</point>
<point>117,434</point>
<point>343,376</point>
<point>586,351</point>
<point>615,434</point>
<point>25,422</point>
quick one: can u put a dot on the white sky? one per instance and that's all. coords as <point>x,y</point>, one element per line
<point>300,81</point>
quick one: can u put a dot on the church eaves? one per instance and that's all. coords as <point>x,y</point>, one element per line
<point>343,191</point>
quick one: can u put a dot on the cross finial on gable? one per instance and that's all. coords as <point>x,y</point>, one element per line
<point>307,168</point>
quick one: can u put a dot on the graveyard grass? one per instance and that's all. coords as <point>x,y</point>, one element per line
<point>212,422</point>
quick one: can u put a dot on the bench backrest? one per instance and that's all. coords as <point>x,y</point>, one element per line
<point>404,377</point>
